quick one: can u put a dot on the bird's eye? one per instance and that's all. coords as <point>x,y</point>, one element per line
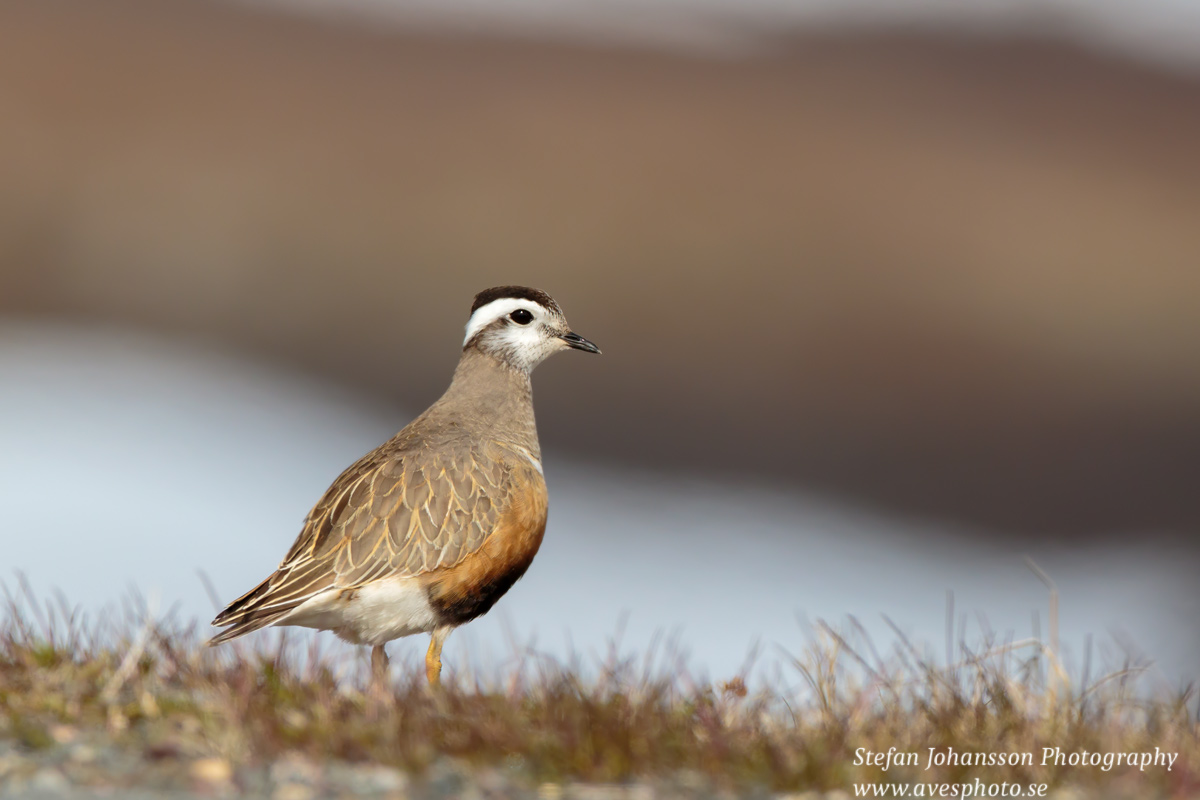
<point>521,316</point>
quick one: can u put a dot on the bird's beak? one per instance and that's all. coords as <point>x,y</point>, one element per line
<point>577,342</point>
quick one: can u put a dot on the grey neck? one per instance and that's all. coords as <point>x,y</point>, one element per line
<point>492,398</point>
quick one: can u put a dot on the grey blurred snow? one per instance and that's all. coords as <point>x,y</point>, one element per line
<point>129,461</point>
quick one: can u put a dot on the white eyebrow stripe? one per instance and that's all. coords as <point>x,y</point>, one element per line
<point>486,314</point>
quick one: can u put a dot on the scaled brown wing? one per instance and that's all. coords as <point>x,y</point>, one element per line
<point>391,513</point>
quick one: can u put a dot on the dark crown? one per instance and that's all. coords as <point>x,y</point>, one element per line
<point>515,292</point>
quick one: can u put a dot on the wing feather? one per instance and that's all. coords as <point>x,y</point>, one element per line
<point>396,511</point>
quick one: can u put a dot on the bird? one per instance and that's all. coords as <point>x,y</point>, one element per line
<point>428,530</point>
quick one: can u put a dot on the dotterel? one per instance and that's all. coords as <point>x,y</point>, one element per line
<point>427,531</point>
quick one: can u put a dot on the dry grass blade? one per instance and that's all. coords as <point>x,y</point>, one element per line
<point>617,719</point>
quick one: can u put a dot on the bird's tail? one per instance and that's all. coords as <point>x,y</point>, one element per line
<point>246,614</point>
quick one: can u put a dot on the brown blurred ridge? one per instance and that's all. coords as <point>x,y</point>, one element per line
<point>955,277</point>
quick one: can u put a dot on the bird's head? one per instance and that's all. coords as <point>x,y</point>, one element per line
<point>520,326</point>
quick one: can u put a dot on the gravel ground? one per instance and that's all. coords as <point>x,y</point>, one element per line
<point>77,770</point>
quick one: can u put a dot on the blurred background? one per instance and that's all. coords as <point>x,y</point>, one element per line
<point>890,295</point>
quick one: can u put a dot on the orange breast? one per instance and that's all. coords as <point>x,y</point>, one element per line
<point>470,588</point>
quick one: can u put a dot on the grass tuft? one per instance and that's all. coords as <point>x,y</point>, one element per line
<point>150,686</point>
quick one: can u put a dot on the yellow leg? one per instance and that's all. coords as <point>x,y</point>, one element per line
<point>433,656</point>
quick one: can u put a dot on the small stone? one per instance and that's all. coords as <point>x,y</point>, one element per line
<point>446,778</point>
<point>63,734</point>
<point>49,780</point>
<point>295,768</point>
<point>492,782</point>
<point>692,780</point>
<point>293,791</point>
<point>212,771</point>
<point>159,751</point>
<point>11,763</point>
<point>1067,793</point>
<point>383,780</point>
<point>83,754</point>
<point>641,791</point>
<point>596,791</point>
<point>550,791</point>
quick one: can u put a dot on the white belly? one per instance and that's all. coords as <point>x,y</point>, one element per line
<point>373,614</point>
